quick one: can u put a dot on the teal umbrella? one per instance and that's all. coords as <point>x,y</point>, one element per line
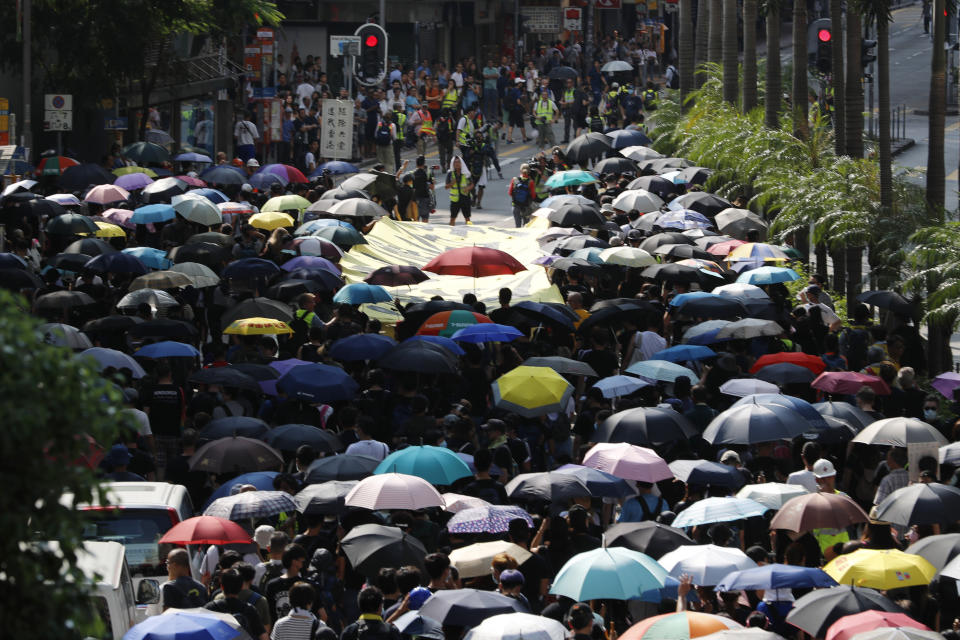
<point>570,178</point>
<point>768,275</point>
<point>590,254</point>
<point>361,292</point>
<point>614,573</point>
<point>661,370</point>
<point>436,465</point>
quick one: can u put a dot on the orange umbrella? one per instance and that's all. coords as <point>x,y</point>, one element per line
<point>679,626</point>
<point>814,363</point>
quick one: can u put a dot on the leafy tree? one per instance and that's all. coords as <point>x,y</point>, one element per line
<point>53,404</point>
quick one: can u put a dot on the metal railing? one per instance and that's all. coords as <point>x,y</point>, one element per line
<point>898,122</point>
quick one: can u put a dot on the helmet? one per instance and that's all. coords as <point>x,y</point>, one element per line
<point>252,162</point>
<point>823,468</point>
<point>615,85</point>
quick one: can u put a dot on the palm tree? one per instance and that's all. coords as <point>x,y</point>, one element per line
<point>836,57</point>
<point>715,45</point>
<point>878,12</point>
<point>936,174</point>
<point>731,41</point>
<point>853,87</point>
<point>798,92</point>
<point>749,55</point>
<point>702,39</point>
<point>773,89</point>
<point>685,50</point>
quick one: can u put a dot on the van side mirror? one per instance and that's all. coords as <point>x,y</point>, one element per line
<point>148,591</point>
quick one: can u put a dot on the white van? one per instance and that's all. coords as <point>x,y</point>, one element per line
<point>137,514</point>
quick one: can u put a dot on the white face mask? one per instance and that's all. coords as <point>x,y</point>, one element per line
<point>929,414</point>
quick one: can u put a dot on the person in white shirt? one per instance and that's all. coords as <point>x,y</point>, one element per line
<point>300,623</point>
<point>304,90</point>
<point>805,477</point>
<point>246,135</point>
<point>366,445</point>
<point>811,298</point>
<point>310,159</point>
<point>457,77</point>
<point>644,344</point>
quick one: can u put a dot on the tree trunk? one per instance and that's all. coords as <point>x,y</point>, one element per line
<point>730,58</point>
<point>774,82</point>
<point>853,88</point>
<point>702,38</point>
<point>939,354</point>
<point>936,174</point>
<point>836,55</point>
<point>839,270</point>
<point>749,55</point>
<point>820,253</point>
<point>715,45</point>
<point>854,264</point>
<point>685,50</point>
<point>883,91</point>
<point>799,90</point>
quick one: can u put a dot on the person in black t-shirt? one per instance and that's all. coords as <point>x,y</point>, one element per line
<point>246,615</point>
<point>166,406</point>
<point>370,626</point>
<point>278,589</point>
<point>483,486</point>
<point>181,591</point>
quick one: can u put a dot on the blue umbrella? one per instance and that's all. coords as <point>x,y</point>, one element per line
<point>153,213</point>
<point>182,626</point>
<point>616,386</point>
<point>684,353</point>
<point>153,258</point>
<point>705,332</point>
<point>234,426</point>
<point>415,625</point>
<point>361,293</point>
<point>314,383</point>
<point>192,157</point>
<point>661,370</point>
<point>362,346</point>
<point>615,573</point>
<point>261,181</point>
<point>224,174</point>
<point>549,311</point>
<point>768,275</point>
<point>335,167</point>
<point>487,332</point>
<point>311,262</point>
<point>683,298</point>
<point>117,262</point>
<point>772,400</point>
<point>623,138</point>
<point>213,195</point>
<point>441,341</point>
<point>436,465</point>
<point>287,437</point>
<point>684,219</point>
<point>590,254</point>
<point>599,482</point>
<point>718,510</point>
<point>775,576</point>
<point>262,480</point>
<point>168,349</point>
<point>315,225</point>
<point>704,472</point>
<point>248,268</point>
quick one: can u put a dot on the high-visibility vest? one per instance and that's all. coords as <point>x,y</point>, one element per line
<point>544,111</point>
<point>826,538</point>
<point>540,186</point>
<point>458,189</point>
<point>450,100</point>
<point>426,123</point>
<point>463,135</point>
<point>401,124</point>
<point>612,97</point>
<point>568,97</point>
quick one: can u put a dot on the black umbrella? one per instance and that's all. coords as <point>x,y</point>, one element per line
<point>340,193</point>
<point>90,247</point>
<point>163,190</point>
<point>212,237</point>
<point>576,214</point>
<point>614,315</point>
<point>645,426</point>
<point>938,550</point>
<point>566,246</point>
<point>468,607</point>
<point>235,455</point>
<point>651,538</point>
<point>684,251</point>
<point>783,373</point>
<point>81,176</point>
<point>857,417</point>
<point>164,328</point>
<point>817,610</point>
<point>111,324</point>
<point>662,165</point>
<point>617,165</point>
<point>288,437</point>
<point>921,503</point>
<point>251,269</point>
<point>287,290</point>
<point>834,431</point>
<point>590,145</point>
<point>223,175</point>
<point>144,153</point>
<point>706,203</point>
<point>19,279</point>
<point>888,300</point>
<point>576,265</point>
<point>551,314</point>
<point>655,184</point>
<point>369,547</point>
<point>69,224</point>
<point>419,356</point>
<point>117,262</point>
<point>259,372</point>
<point>695,175</point>
<point>667,237</point>
<point>234,426</point>
<point>225,377</point>
<point>38,207</point>
<point>70,261</point>
<point>340,467</point>
<point>563,73</point>
<point>562,365</point>
<point>396,275</point>
<point>325,498</point>
<point>617,303</point>
<point>722,308</point>
<point>325,279</point>
<point>704,473</point>
<point>674,272</point>
<point>415,314</point>
<point>61,300</point>
<point>257,308</point>
<point>205,253</point>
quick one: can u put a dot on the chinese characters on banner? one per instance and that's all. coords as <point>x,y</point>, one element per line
<point>336,129</point>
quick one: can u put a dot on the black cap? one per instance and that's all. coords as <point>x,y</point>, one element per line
<point>496,424</point>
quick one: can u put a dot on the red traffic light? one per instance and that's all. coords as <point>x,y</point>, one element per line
<point>371,40</point>
<point>824,35</point>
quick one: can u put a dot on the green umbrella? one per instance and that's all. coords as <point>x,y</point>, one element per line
<point>146,153</point>
<point>71,223</point>
<point>570,178</point>
<point>345,236</point>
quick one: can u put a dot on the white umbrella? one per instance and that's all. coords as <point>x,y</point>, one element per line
<point>627,257</point>
<point>543,212</point>
<point>64,335</point>
<point>616,386</point>
<point>711,510</point>
<point>616,65</point>
<point>640,153</point>
<point>754,633</point>
<point>474,560</point>
<point>741,291</point>
<point>156,298</point>
<point>112,358</point>
<point>771,494</point>
<point>393,491</point>
<point>639,199</point>
<point>741,387</point>
<point>900,432</point>
<point>898,633</point>
<point>707,563</point>
<point>749,328</point>
<point>454,502</point>
<point>518,626</point>
<point>25,185</point>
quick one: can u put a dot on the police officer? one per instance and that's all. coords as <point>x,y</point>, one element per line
<point>545,113</point>
<point>612,111</point>
<point>569,104</point>
<point>400,121</point>
<point>466,127</point>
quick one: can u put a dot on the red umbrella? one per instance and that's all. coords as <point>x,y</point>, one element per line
<point>474,261</point>
<point>849,382</point>
<point>814,363</point>
<point>55,165</point>
<point>848,626</point>
<point>447,323</point>
<point>206,530</point>
<point>818,511</point>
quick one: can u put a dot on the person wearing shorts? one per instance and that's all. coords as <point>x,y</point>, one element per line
<point>459,186</point>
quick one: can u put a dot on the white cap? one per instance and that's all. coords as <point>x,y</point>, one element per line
<point>246,188</point>
<point>252,162</point>
<point>262,535</point>
<point>823,468</point>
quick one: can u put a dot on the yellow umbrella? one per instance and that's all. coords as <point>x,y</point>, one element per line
<point>288,202</point>
<point>532,391</point>
<point>757,251</point>
<point>881,569</point>
<point>270,220</point>
<point>108,230</point>
<point>258,327</point>
<point>122,171</point>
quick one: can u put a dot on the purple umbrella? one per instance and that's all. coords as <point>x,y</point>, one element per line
<point>492,519</point>
<point>131,181</point>
<point>946,383</point>
<point>310,262</point>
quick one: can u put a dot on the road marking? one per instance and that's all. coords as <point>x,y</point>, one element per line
<point>955,175</point>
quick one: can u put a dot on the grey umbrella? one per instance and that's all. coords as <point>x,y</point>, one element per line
<point>753,423</point>
<point>816,611</point>
<point>922,503</point>
<point>562,365</point>
<point>937,550</point>
<point>324,498</point>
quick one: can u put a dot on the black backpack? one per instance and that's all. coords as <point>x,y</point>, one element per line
<point>382,137</point>
<point>855,343</point>
<point>241,616</point>
<point>301,330</point>
<point>274,570</point>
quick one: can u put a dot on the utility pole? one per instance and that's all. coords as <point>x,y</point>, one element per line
<point>383,14</point>
<point>27,136</point>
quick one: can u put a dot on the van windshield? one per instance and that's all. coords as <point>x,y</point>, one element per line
<point>138,530</point>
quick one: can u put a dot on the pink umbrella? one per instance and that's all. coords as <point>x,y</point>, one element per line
<point>131,181</point>
<point>235,208</point>
<point>193,182</point>
<point>107,194</point>
<point>723,248</point>
<point>849,382</point>
<point>393,491</point>
<point>120,217</point>
<point>946,383</point>
<point>627,461</point>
